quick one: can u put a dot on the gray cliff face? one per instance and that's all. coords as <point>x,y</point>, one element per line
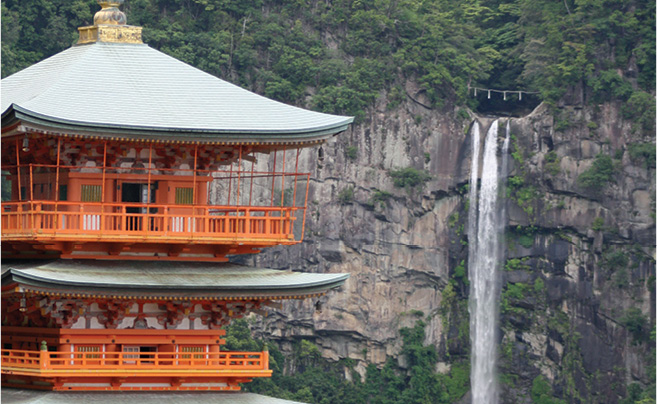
<point>582,258</point>
<point>591,261</point>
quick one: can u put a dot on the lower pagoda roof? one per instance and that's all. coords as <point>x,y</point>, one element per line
<point>162,280</point>
<point>15,396</point>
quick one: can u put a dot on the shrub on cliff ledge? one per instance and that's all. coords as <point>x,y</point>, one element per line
<point>409,177</point>
<point>351,152</point>
<point>636,323</point>
<point>640,109</point>
<point>643,151</point>
<point>346,196</point>
<point>598,175</point>
<point>542,392</point>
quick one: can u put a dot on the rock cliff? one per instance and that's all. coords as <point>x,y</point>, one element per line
<point>578,298</point>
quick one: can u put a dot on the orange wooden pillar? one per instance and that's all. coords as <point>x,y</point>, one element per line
<point>265,359</point>
<point>112,354</point>
<point>214,354</point>
<point>66,354</point>
<point>166,358</point>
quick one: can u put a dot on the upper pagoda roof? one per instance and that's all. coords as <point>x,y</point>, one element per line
<point>130,90</point>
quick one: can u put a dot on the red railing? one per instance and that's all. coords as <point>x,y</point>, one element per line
<point>156,222</point>
<point>13,359</point>
<point>23,359</point>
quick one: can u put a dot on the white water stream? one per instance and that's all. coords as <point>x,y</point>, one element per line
<point>486,218</point>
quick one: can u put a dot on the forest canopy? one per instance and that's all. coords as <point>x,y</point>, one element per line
<point>339,56</point>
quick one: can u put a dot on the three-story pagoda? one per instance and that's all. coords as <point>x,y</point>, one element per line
<point>133,177</point>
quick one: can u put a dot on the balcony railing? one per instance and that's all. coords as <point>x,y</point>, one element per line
<point>225,364</point>
<point>47,220</point>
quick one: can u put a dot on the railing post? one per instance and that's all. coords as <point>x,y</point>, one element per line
<point>43,356</point>
<point>265,359</point>
<point>39,218</point>
<point>102,216</point>
<point>166,220</point>
<point>19,216</point>
<point>32,215</point>
<point>268,229</point>
<point>206,221</point>
<point>247,221</point>
<point>56,218</point>
<point>237,224</point>
<point>288,222</point>
<point>81,218</point>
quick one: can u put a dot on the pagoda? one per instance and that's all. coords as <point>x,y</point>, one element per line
<point>134,177</point>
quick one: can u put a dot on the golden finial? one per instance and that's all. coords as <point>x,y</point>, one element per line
<point>110,14</point>
<point>110,26</point>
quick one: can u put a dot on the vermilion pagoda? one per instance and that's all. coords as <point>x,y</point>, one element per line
<point>133,176</point>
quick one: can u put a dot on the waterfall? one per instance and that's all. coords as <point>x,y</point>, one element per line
<point>504,172</point>
<point>485,252</point>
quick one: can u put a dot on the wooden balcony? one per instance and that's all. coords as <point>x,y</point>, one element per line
<point>106,230</point>
<point>227,367</point>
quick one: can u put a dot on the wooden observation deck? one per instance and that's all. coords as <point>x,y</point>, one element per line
<point>148,201</point>
<point>228,368</point>
<point>90,360</point>
<point>218,230</point>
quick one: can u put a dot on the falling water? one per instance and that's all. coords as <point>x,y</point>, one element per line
<point>503,174</point>
<point>485,223</point>
<point>472,212</point>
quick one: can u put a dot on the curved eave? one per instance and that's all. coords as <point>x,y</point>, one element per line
<point>31,121</point>
<point>196,295</point>
<point>219,281</point>
<point>21,277</point>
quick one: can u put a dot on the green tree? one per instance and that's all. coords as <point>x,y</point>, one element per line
<point>598,176</point>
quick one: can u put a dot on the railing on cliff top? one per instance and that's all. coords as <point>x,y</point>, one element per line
<point>488,91</point>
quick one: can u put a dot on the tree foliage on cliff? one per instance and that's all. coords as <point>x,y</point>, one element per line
<point>317,381</point>
<point>339,56</point>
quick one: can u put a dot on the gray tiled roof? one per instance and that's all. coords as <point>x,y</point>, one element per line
<point>165,277</point>
<point>16,396</point>
<point>103,88</point>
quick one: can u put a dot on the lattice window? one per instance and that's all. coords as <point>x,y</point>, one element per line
<point>130,349</point>
<point>185,349</point>
<point>91,193</point>
<point>130,358</point>
<point>184,196</point>
<point>85,349</point>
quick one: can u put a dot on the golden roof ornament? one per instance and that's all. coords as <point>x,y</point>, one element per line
<point>110,14</point>
<point>110,26</point>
